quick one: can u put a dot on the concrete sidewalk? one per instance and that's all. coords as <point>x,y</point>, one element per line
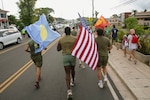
<point>136,77</point>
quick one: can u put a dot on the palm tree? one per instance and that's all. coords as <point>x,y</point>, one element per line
<point>96,13</point>
<point>134,12</point>
<point>145,10</point>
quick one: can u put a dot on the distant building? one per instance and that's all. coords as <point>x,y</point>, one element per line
<point>4,23</point>
<point>114,21</point>
<point>143,18</point>
<point>124,16</point>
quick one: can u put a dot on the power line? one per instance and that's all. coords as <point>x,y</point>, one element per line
<point>124,3</point>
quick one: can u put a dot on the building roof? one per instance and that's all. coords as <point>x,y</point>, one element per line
<point>3,10</point>
<point>142,15</point>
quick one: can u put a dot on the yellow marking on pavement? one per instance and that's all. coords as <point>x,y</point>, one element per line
<point>10,80</point>
<point>16,75</point>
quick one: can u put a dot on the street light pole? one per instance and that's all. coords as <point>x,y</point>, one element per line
<point>2,4</point>
<point>92,8</point>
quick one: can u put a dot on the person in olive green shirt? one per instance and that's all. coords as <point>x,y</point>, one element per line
<point>107,33</point>
<point>73,32</point>
<point>66,44</point>
<point>36,58</point>
<point>103,46</point>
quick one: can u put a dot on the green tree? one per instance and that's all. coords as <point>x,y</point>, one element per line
<point>96,14</point>
<point>46,11</point>
<point>115,16</point>
<point>12,19</point>
<point>134,12</point>
<point>26,10</point>
<point>131,22</point>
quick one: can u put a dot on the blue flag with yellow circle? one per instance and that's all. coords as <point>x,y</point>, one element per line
<point>41,33</point>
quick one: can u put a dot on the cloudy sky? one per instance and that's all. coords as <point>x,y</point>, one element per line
<point>69,9</point>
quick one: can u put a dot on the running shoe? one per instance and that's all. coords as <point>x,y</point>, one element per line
<point>69,94</point>
<point>100,85</point>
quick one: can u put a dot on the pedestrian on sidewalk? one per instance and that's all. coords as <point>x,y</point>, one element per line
<point>107,33</point>
<point>103,45</point>
<point>36,58</point>
<point>114,32</point>
<point>133,45</point>
<point>125,45</point>
<point>66,44</point>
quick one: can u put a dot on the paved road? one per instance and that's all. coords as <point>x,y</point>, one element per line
<point>53,87</point>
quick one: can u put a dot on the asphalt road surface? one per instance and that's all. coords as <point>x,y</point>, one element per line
<point>17,77</point>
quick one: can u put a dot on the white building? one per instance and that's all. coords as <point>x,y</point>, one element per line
<point>4,23</point>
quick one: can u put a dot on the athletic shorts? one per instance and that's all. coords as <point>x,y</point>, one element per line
<point>69,60</point>
<point>114,39</point>
<point>37,60</point>
<point>102,62</point>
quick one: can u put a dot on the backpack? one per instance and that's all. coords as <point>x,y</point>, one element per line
<point>134,39</point>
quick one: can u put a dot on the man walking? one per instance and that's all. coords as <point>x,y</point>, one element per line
<point>103,46</point>
<point>36,58</point>
<point>66,44</point>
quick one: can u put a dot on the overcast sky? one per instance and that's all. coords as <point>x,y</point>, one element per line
<point>69,9</point>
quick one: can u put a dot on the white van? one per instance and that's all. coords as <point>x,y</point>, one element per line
<point>9,36</point>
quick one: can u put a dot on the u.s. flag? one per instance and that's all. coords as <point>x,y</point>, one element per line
<point>85,47</point>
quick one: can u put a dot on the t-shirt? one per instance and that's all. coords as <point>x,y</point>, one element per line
<point>74,33</point>
<point>33,46</point>
<point>107,33</point>
<point>67,43</point>
<point>114,32</point>
<point>102,45</point>
<point>131,45</point>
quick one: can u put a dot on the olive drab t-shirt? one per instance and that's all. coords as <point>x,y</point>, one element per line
<point>107,32</point>
<point>102,45</point>
<point>33,46</point>
<point>67,44</point>
<point>74,33</point>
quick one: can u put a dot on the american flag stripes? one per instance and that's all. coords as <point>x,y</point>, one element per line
<point>85,47</point>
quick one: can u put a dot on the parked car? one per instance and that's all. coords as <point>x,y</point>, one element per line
<point>9,36</point>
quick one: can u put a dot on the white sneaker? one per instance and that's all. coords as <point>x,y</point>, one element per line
<point>71,83</point>
<point>83,66</point>
<point>69,93</point>
<point>105,79</point>
<point>100,85</point>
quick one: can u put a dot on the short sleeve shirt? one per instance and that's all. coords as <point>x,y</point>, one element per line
<point>114,32</point>
<point>67,43</point>
<point>33,46</point>
<point>74,33</point>
<point>131,45</point>
<point>102,44</point>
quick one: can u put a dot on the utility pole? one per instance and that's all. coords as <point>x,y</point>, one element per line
<point>92,8</point>
<point>2,4</point>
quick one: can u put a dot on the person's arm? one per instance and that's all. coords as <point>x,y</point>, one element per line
<point>58,46</point>
<point>27,49</point>
<point>139,44</point>
<point>109,46</point>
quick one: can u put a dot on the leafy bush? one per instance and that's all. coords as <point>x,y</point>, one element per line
<point>145,43</point>
<point>121,33</point>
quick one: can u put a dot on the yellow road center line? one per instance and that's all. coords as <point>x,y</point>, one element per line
<point>12,78</point>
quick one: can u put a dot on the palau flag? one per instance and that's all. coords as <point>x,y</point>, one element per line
<point>41,33</point>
